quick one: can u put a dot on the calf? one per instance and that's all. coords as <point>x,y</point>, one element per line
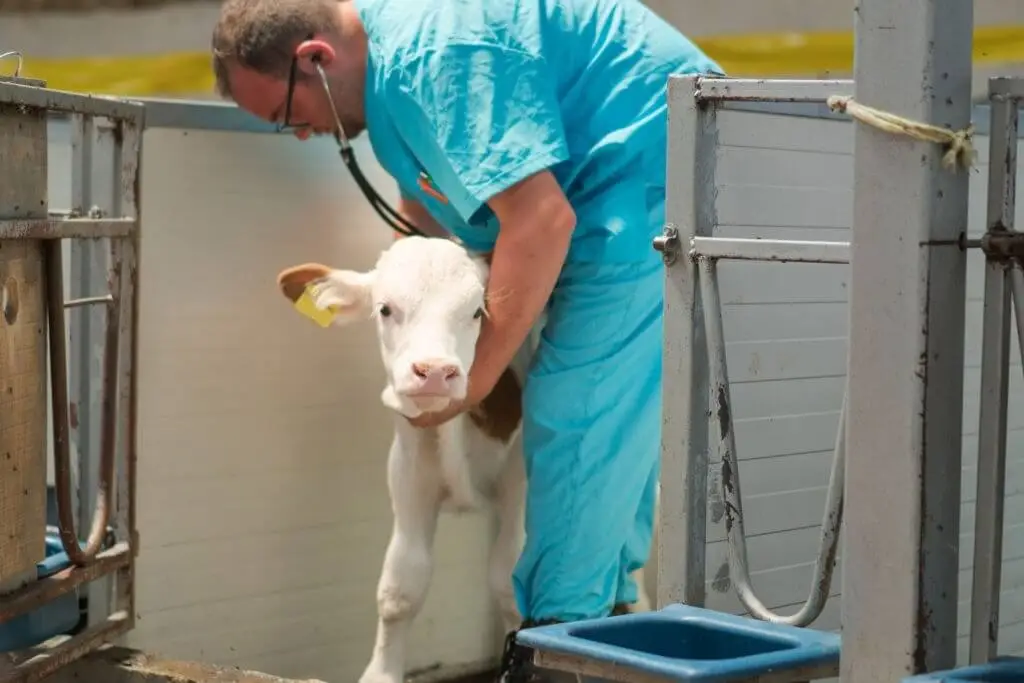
<point>427,298</point>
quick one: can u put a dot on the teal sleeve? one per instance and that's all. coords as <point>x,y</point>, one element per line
<point>479,117</point>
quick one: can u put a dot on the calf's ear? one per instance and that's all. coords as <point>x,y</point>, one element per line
<point>327,295</point>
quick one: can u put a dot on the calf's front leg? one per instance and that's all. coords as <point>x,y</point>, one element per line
<point>408,563</point>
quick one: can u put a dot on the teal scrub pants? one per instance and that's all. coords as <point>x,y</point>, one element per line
<point>591,437</point>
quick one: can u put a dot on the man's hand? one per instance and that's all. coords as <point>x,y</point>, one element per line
<point>440,417</point>
<point>536,224</point>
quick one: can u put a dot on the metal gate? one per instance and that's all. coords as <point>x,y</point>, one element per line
<point>32,332</point>
<point>697,386</point>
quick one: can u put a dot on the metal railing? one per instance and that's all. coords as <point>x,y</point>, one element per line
<point>695,352</point>
<point>1004,282</point>
<point>111,544</point>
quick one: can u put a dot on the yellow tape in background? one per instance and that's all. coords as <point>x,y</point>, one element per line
<point>767,55</point>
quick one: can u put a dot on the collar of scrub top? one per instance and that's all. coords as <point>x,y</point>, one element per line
<point>391,217</point>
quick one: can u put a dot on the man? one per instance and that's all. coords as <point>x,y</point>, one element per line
<point>536,130</point>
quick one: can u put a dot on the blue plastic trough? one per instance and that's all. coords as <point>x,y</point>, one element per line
<point>56,617</point>
<point>999,670</point>
<point>683,643</point>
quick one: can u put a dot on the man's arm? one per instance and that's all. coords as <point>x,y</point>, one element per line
<point>536,224</point>
<point>414,212</point>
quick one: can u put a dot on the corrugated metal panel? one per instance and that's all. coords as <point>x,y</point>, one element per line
<point>263,510</point>
<point>789,177</point>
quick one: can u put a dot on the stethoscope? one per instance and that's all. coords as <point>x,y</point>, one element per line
<point>383,209</point>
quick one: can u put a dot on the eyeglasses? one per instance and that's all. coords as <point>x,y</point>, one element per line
<point>389,215</point>
<point>287,124</point>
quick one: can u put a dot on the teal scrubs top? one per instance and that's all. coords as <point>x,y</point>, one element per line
<point>465,98</point>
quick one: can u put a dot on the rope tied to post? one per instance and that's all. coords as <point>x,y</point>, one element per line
<point>957,143</point>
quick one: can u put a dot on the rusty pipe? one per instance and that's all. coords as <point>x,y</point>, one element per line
<point>53,260</point>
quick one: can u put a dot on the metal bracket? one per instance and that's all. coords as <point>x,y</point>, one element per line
<point>668,244</point>
<point>1002,245</point>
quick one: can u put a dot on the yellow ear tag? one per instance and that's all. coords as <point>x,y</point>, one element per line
<point>304,305</point>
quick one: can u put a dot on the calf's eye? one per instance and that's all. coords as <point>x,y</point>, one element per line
<point>479,313</point>
<point>385,310</point>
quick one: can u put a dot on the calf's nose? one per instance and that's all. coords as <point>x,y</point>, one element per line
<point>436,372</point>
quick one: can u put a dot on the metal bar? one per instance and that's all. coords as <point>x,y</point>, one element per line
<point>88,301</point>
<point>18,58</point>
<point>764,90</point>
<point>70,228</point>
<point>128,155</point>
<point>63,651</point>
<point>202,115</point>
<point>906,348</point>
<point>23,81</point>
<point>89,268</point>
<point>988,523</point>
<point>690,208</point>
<point>70,102</point>
<point>82,132</point>
<point>1006,87</point>
<point>1017,296</point>
<point>746,249</point>
<point>80,367</point>
<point>44,590</point>
<point>721,411</point>
<point>61,446</point>
<point>995,369</point>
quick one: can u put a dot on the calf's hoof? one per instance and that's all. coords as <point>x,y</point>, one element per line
<point>374,676</point>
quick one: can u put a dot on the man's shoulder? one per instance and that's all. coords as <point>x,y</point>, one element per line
<point>409,33</point>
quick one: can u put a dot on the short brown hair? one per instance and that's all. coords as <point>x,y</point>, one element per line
<point>262,34</point>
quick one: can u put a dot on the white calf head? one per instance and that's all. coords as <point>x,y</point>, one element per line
<point>427,298</point>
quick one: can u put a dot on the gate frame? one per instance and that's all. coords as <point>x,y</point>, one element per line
<point>114,559</point>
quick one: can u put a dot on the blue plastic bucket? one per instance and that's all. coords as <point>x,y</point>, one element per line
<point>999,670</point>
<point>56,617</point>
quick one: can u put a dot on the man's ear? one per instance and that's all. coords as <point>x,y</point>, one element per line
<point>314,51</point>
<point>345,293</point>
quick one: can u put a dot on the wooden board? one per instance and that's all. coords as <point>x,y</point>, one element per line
<point>23,391</point>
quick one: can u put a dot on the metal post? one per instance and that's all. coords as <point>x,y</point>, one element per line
<point>80,370</point>
<point>126,174</point>
<point>906,346</point>
<point>92,162</point>
<point>995,368</point>
<point>682,523</point>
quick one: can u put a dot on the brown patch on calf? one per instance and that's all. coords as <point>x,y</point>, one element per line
<point>622,609</point>
<point>500,413</point>
<point>292,281</point>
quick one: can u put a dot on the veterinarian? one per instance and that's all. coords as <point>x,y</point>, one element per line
<point>536,130</point>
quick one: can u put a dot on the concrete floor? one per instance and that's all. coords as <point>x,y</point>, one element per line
<point>114,664</point>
